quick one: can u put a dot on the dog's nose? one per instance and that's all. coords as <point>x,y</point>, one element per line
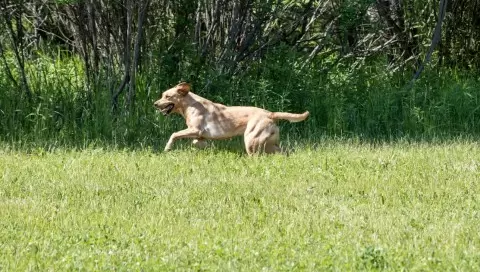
<point>157,103</point>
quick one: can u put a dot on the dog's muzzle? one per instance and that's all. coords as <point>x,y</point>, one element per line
<point>166,109</point>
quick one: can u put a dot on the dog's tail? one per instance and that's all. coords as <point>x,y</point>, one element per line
<point>292,117</point>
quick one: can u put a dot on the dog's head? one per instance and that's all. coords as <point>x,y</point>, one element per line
<point>171,99</point>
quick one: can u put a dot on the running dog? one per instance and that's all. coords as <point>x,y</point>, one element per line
<point>208,120</point>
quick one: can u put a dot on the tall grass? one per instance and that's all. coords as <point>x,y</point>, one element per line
<point>368,102</point>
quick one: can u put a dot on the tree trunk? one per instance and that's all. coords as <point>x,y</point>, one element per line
<point>136,53</point>
<point>16,35</point>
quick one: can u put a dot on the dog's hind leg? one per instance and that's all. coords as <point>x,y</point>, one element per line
<point>261,136</point>
<point>273,140</point>
<point>272,149</point>
<point>251,145</point>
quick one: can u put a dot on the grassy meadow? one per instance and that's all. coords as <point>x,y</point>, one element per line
<point>336,205</point>
<point>385,173</point>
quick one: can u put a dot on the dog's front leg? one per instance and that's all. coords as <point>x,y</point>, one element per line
<point>186,133</point>
<point>199,143</point>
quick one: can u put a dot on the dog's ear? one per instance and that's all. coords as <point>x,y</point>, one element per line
<point>183,88</point>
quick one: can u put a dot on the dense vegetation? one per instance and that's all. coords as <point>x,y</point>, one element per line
<point>76,72</point>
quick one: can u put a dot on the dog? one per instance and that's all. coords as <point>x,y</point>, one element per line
<point>207,120</point>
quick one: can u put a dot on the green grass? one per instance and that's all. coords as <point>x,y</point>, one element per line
<point>337,206</point>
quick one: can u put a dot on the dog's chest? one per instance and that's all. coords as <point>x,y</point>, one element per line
<point>214,129</point>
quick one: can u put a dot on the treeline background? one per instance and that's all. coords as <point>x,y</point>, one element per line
<point>80,72</point>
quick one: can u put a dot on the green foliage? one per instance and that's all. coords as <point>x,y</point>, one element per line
<point>345,100</point>
<point>338,206</point>
<point>373,258</point>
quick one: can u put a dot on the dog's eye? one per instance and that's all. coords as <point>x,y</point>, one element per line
<point>167,96</point>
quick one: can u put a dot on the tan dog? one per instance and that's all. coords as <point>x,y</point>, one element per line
<point>208,120</point>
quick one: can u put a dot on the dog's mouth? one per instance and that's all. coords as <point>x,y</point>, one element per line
<point>167,109</point>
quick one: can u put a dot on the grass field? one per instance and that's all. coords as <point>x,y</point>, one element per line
<point>341,206</point>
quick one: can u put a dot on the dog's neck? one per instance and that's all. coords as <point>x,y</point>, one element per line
<point>191,101</point>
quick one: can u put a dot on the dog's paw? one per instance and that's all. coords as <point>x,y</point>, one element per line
<point>200,144</point>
